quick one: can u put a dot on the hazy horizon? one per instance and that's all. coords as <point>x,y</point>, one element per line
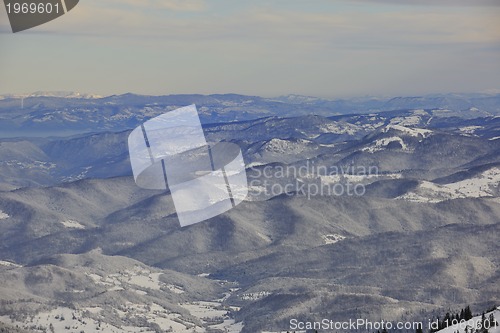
<point>95,95</point>
<point>327,49</point>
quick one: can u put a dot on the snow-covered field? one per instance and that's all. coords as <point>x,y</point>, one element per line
<point>136,277</point>
<point>41,165</point>
<point>70,320</point>
<point>483,185</point>
<point>155,313</point>
<point>211,314</point>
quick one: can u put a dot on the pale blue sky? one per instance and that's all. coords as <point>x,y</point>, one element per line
<point>324,48</point>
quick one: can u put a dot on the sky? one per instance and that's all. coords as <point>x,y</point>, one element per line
<point>323,48</point>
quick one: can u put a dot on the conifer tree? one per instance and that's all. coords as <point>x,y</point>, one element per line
<point>467,313</point>
<point>493,322</point>
<point>447,320</point>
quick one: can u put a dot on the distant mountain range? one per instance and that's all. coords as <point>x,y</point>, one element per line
<point>66,113</point>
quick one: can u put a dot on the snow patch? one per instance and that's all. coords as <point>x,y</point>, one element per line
<point>332,238</point>
<point>280,146</point>
<point>205,309</point>
<point>334,179</point>
<point>156,314</point>
<point>381,144</point>
<point>406,121</point>
<point>254,164</point>
<point>204,274</point>
<point>254,296</point>
<point>416,132</point>
<point>72,224</point>
<point>469,129</point>
<point>150,281</point>
<point>3,215</point>
<point>175,289</point>
<point>420,112</point>
<point>93,310</point>
<point>9,264</point>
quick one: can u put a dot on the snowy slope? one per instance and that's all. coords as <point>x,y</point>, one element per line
<point>473,323</point>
